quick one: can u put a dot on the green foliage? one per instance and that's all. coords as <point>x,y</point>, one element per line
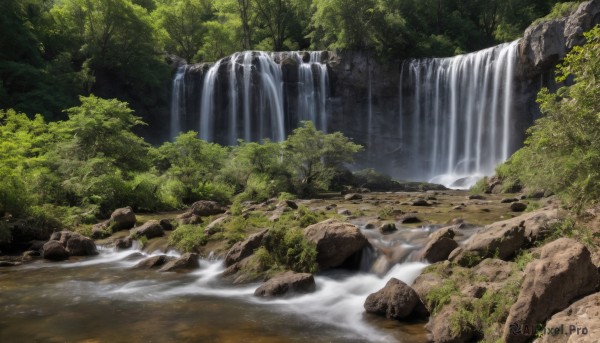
<point>562,151</point>
<point>568,227</point>
<point>559,10</point>
<point>195,164</point>
<point>181,26</point>
<point>188,238</point>
<point>441,295</point>
<point>314,157</point>
<point>287,248</point>
<point>488,314</point>
<point>523,259</point>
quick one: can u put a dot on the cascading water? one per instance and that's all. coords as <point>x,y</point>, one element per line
<point>250,96</point>
<point>461,112</point>
<point>452,118</point>
<point>178,101</point>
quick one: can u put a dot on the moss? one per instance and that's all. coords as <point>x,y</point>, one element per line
<point>440,296</point>
<point>188,238</point>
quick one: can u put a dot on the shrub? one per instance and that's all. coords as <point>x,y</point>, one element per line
<point>289,249</point>
<point>188,238</point>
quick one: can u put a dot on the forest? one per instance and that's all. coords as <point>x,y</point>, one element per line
<point>53,51</point>
<point>107,231</point>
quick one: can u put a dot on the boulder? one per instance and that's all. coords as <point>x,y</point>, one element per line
<point>410,219</point>
<point>396,300</point>
<point>286,284</point>
<point>78,245</point>
<point>215,226</point>
<point>344,212</point>
<point>124,243</point>
<point>518,207</point>
<point>289,204</point>
<point>475,197</point>
<point>167,225</point>
<point>441,244</point>
<point>353,196</point>
<point>122,219</point>
<point>440,331</point>
<point>101,230</point>
<point>388,227</point>
<point>54,251</point>
<point>580,322</point>
<point>421,202</point>
<point>508,200</point>
<point>154,262</point>
<point>204,208</point>
<point>563,273</point>
<point>336,241</point>
<point>150,229</point>
<point>506,237</point>
<point>241,250</point>
<point>187,262</point>
<point>188,218</point>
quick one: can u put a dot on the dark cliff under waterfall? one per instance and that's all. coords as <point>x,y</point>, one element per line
<point>438,119</point>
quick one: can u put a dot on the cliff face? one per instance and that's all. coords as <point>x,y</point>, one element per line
<point>417,118</point>
<point>547,43</point>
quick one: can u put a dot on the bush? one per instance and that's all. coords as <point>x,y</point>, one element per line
<point>188,238</point>
<point>288,249</point>
<point>215,191</point>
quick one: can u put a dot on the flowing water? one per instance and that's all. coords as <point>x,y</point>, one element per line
<point>461,113</point>
<point>457,117</point>
<point>102,299</point>
<point>244,96</point>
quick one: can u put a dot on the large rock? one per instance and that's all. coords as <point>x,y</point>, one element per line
<point>241,250</point>
<point>154,262</point>
<point>78,245</point>
<point>440,330</point>
<point>187,262</point>
<point>506,237</point>
<point>580,322</point>
<point>441,244</point>
<point>150,229</point>
<point>205,208</point>
<point>396,300</point>
<point>54,251</point>
<point>563,273</point>
<point>122,219</point>
<point>336,241</point>
<point>286,284</point>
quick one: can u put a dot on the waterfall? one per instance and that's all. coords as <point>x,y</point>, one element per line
<point>461,111</point>
<point>438,119</point>
<point>248,96</point>
<point>177,101</point>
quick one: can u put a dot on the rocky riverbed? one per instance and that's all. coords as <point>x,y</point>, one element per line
<point>436,266</point>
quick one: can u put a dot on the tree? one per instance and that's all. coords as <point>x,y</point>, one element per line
<point>276,16</point>
<point>245,17</point>
<point>116,40</point>
<point>313,157</point>
<point>562,153</point>
<point>182,26</point>
<point>340,24</point>
<point>192,162</point>
<point>22,144</point>
<point>95,153</point>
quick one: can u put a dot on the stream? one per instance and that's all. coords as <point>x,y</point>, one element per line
<point>103,299</point>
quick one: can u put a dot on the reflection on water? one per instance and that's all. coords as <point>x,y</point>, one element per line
<point>102,299</point>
